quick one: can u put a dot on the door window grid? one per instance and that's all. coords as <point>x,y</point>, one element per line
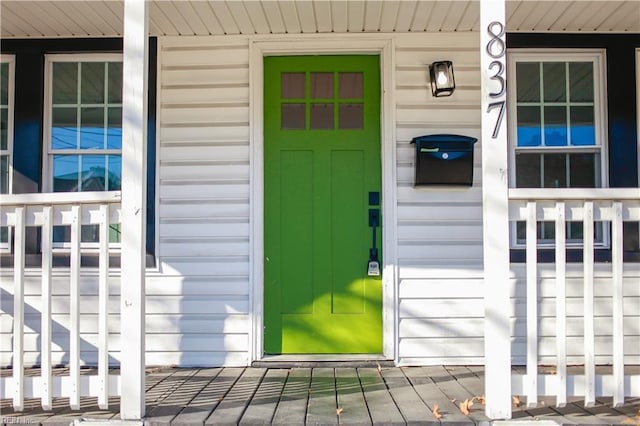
<point>84,145</point>
<point>322,101</point>
<point>557,129</point>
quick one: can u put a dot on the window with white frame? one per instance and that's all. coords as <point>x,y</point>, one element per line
<point>83,144</point>
<point>6,134</point>
<point>557,128</point>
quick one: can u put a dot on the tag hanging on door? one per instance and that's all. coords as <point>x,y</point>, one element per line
<point>373,270</point>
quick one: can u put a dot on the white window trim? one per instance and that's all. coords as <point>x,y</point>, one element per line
<point>598,57</point>
<point>50,59</point>
<point>11,60</point>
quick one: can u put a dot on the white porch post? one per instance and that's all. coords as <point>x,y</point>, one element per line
<point>495,210</point>
<point>134,158</point>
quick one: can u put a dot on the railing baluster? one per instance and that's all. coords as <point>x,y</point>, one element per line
<point>532,305</point>
<point>589,334</point>
<point>45,332</point>
<point>74,306</point>
<point>18,309</point>
<point>561,308</point>
<point>618,305</point>
<point>103,309</point>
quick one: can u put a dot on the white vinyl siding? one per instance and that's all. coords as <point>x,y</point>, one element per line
<point>198,304</point>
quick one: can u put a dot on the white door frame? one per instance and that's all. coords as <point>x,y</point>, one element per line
<point>260,47</point>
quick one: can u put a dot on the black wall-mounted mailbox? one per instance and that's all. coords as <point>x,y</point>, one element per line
<point>444,160</point>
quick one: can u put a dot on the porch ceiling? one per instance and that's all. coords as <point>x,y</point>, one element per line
<point>97,18</point>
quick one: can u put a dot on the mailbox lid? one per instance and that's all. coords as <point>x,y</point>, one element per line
<point>444,146</point>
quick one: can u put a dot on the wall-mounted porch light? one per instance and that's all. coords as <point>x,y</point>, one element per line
<point>442,82</point>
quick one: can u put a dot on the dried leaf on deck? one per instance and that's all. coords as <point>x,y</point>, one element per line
<point>339,411</point>
<point>516,401</point>
<point>480,399</point>
<point>465,406</point>
<point>436,412</point>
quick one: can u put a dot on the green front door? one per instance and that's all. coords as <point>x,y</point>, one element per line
<point>322,176</point>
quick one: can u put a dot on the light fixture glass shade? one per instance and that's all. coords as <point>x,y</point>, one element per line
<point>442,81</point>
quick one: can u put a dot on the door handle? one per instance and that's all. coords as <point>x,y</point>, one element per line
<point>373,266</point>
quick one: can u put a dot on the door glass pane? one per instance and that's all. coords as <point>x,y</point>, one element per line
<point>292,85</point>
<point>115,83</point>
<point>555,170</point>
<point>92,88</point>
<point>321,116</point>
<point>581,81</point>
<point>350,85</point>
<point>583,130</point>
<point>350,116</point>
<point>554,77</point>
<point>528,170</point>
<point>528,77</point>
<point>65,82</point>
<point>92,128</point>
<point>64,132</point>
<point>529,132</point>
<point>322,85</point>
<point>582,170</point>
<point>293,117</point>
<point>555,126</point>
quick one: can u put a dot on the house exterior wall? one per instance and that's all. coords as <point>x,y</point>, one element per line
<point>199,297</point>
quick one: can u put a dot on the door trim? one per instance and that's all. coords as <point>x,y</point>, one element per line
<point>258,49</point>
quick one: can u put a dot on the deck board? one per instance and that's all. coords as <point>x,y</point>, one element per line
<point>292,408</point>
<point>327,395</point>
<point>382,407</point>
<point>351,404</point>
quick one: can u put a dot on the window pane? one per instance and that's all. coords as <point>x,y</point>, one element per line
<point>555,83</point>
<point>4,128</point>
<point>351,85</point>
<point>582,170</point>
<point>92,82</point>
<point>322,85</point>
<point>529,132</point>
<point>65,83</point>
<point>4,83</point>
<point>114,129</point>
<point>555,126</point>
<point>322,116</point>
<point>4,234</point>
<point>581,81</point>
<point>64,132</point>
<point>92,128</point>
<point>292,85</point>
<point>351,116</point>
<point>555,170</point>
<point>528,77</point>
<point>115,83</point>
<point>4,174</point>
<point>65,173</point>
<point>293,117</point>
<point>115,172</point>
<point>583,130</point>
<point>528,170</point>
<point>93,173</point>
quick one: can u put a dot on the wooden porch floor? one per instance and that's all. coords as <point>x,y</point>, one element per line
<point>319,395</point>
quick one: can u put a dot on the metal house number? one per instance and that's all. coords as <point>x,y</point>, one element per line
<point>496,49</point>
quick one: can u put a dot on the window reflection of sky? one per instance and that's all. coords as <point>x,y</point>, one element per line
<point>556,135</point>
<point>86,173</point>
<point>90,138</point>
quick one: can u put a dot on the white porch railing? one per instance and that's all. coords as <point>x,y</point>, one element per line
<point>46,211</point>
<point>586,206</point>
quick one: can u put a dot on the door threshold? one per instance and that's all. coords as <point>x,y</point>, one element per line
<point>322,360</point>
